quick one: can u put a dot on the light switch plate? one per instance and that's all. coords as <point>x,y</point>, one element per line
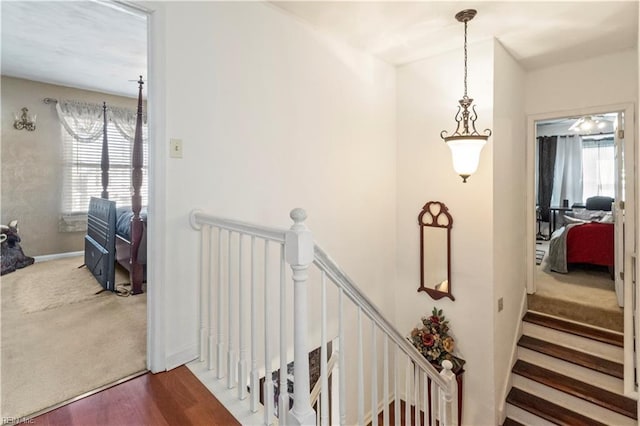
<point>175,148</point>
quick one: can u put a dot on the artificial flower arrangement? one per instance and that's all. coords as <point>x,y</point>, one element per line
<point>433,341</point>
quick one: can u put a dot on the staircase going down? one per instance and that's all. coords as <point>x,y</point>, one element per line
<point>568,374</point>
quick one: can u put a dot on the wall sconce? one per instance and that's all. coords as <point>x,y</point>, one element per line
<point>466,143</point>
<point>24,120</point>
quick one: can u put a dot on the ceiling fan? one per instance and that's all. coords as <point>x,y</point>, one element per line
<point>589,123</point>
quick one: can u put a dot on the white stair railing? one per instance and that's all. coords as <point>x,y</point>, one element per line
<point>250,284</point>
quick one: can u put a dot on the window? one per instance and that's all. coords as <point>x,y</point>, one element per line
<point>83,175</point>
<point>598,167</point>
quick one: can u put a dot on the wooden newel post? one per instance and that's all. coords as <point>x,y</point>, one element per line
<point>298,247</point>
<point>136,271</point>
<point>104,162</point>
<point>448,397</point>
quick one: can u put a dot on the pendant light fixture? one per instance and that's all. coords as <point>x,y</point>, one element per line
<point>466,143</point>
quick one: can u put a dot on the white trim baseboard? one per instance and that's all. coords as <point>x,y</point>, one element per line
<point>502,408</point>
<point>47,257</point>
<point>181,357</point>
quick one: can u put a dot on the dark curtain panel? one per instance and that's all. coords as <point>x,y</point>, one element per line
<point>546,164</point>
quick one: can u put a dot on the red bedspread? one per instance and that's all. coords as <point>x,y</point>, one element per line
<point>591,243</point>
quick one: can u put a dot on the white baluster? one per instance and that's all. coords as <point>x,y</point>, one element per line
<point>341,360</point>
<point>211,302</point>
<point>220,345</point>
<point>254,380</point>
<point>230,350</point>
<point>435,401</point>
<point>268,369</point>
<point>385,382</point>
<point>299,249</point>
<point>324,387</point>
<point>416,395</point>
<point>396,372</point>
<point>204,265</point>
<point>283,396</point>
<point>335,403</point>
<point>374,376</point>
<point>407,393</point>
<point>360,370</point>
<point>242,361</point>
<point>425,396</point>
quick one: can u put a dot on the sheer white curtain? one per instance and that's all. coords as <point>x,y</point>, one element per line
<point>125,121</point>
<point>599,167</point>
<point>567,179</point>
<point>83,121</point>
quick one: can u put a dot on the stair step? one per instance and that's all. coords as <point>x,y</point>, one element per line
<point>525,417</point>
<point>511,422</point>
<point>601,380</point>
<point>603,398</point>
<point>595,333</point>
<point>583,359</point>
<point>583,344</point>
<point>548,410</point>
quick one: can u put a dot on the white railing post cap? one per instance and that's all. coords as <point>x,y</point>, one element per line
<point>192,219</point>
<point>298,240</point>
<point>298,215</point>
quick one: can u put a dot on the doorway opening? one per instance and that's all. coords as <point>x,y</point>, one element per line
<point>581,225</point>
<point>60,317</point>
<point>575,191</point>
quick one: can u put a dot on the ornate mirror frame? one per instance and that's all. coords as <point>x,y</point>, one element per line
<point>436,215</point>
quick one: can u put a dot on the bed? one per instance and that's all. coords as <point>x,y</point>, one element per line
<point>590,242</point>
<point>118,234</point>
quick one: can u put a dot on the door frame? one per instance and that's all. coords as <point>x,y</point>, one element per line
<point>157,268</point>
<point>156,116</point>
<point>632,157</point>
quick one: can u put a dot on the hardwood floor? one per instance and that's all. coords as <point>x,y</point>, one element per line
<point>175,397</point>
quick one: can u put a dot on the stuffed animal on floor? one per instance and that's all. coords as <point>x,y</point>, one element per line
<point>12,255</point>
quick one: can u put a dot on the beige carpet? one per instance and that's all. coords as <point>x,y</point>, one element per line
<point>584,294</point>
<point>56,347</point>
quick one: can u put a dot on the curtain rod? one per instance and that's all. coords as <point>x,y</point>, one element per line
<point>50,100</point>
<point>583,135</point>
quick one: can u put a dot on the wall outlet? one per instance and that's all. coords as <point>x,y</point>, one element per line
<point>500,304</point>
<point>175,148</point>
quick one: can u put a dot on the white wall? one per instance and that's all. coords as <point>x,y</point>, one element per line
<point>428,93</point>
<point>273,116</point>
<point>509,234</point>
<point>604,80</point>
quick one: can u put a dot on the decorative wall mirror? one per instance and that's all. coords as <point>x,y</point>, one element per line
<point>435,250</point>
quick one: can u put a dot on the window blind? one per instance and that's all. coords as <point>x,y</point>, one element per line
<point>83,175</point>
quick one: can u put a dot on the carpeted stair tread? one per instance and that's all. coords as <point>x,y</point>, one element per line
<point>599,334</point>
<point>573,356</point>
<point>510,422</point>
<point>548,410</point>
<point>604,398</point>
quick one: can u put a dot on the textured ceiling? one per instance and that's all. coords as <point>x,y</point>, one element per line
<point>90,45</point>
<point>101,45</point>
<point>536,33</point>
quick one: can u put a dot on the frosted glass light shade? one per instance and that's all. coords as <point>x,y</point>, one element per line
<point>465,153</point>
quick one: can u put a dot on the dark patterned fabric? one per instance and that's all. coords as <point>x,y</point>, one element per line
<point>546,164</point>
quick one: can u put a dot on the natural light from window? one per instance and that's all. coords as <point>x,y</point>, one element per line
<point>83,175</point>
<point>598,167</point>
